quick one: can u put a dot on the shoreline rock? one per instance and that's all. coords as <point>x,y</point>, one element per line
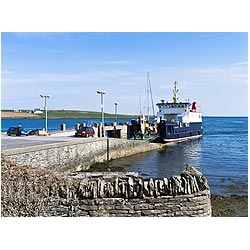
<point>232,206</point>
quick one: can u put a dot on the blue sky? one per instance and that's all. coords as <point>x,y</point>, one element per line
<point>210,68</point>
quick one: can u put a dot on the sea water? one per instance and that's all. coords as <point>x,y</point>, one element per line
<point>221,154</point>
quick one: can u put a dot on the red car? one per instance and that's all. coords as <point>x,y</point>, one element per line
<point>85,132</point>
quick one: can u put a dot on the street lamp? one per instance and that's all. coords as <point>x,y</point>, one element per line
<point>45,108</point>
<point>116,104</point>
<point>101,92</point>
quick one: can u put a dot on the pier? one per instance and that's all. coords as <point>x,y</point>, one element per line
<point>63,152</point>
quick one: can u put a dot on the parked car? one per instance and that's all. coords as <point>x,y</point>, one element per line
<point>85,132</point>
<point>17,131</point>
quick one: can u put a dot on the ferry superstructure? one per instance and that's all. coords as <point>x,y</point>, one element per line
<point>178,121</point>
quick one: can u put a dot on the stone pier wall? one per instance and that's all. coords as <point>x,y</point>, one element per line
<point>29,191</point>
<point>76,156</point>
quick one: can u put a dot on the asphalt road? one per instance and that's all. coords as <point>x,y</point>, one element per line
<point>17,142</point>
<point>13,142</point>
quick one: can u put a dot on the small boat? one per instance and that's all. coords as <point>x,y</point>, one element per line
<point>178,121</point>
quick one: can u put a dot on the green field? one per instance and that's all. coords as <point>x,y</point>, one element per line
<point>80,114</point>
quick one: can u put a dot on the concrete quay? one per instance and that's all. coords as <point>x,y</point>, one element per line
<point>19,142</point>
<point>15,142</point>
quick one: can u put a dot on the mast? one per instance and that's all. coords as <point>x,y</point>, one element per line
<point>147,97</point>
<point>140,105</point>
<point>149,90</point>
<point>175,91</point>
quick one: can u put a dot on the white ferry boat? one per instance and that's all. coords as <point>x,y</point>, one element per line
<point>178,121</point>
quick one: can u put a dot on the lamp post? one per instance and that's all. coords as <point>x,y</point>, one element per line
<point>45,108</point>
<point>116,104</point>
<point>101,92</point>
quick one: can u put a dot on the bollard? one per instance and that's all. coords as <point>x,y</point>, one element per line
<point>98,131</point>
<point>63,127</point>
<point>77,126</point>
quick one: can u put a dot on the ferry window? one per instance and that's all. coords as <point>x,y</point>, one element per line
<point>182,106</point>
<point>170,129</point>
<point>172,106</point>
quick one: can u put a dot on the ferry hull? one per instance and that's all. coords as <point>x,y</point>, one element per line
<point>174,133</point>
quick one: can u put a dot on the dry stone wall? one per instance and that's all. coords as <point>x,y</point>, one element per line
<point>29,191</point>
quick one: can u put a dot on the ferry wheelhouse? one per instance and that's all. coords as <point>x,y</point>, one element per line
<point>178,121</point>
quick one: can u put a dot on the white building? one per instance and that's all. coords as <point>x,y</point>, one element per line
<point>38,111</point>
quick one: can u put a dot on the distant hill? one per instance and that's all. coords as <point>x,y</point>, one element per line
<point>60,114</point>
